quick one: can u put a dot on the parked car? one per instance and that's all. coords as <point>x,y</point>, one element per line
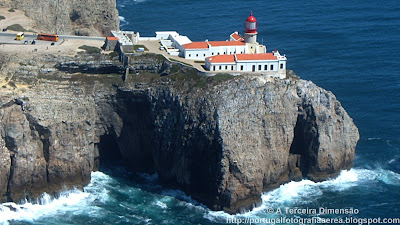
<point>33,42</point>
<point>53,43</point>
<point>25,42</point>
<point>4,29</point>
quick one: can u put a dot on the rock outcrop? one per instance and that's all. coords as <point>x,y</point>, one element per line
<point>89,17</point>
<point>224,144</point>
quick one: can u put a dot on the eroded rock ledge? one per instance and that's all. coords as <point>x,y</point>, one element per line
<point>224,144</point>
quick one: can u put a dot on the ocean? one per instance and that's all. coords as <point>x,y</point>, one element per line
<point>351,48</point>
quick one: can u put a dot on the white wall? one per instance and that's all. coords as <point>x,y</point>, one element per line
<point>221,67</point>
<point>163,35</point>
<point>201,54</point>
<point>248,66</point>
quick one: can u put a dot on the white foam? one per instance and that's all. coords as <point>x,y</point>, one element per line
<point>301,192</point>
<point>68,201</point>
<point>161,204</point>
<point>47,206</point>
<point>121,18</point>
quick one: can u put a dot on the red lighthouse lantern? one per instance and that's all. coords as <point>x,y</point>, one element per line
<point>250,24</point>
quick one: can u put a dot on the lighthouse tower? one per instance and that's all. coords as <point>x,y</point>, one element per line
<point>250,34</point>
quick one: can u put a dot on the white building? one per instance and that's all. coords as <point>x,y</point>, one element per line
<point>268,63</point>
<point>201,50</point>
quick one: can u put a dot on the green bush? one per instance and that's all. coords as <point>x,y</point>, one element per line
<point>113,54</point>
<point>220,77</point>
<point>16,27</point>
<point>2,17</point>
<point>90,49</point>
<point>136,47</point>
<point>12,84</point>
<point>11,10</point>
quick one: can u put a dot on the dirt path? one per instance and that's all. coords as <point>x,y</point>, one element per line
<point>17,17</point>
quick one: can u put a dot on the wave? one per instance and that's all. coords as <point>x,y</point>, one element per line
<point>304,192</point>
<point>140,1</point>
<point>47,205</point>
<point>122,19</point>
<point>75,201</point>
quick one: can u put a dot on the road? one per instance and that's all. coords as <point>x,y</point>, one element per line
<point>5,38</point>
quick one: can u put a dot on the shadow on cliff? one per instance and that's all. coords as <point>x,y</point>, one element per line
<point>149,134</point>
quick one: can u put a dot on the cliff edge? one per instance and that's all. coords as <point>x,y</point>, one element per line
<point>223,140</point>
<point>77,17</point>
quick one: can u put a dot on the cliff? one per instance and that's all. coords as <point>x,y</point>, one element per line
<point>223,140</point>
<point>89,17</point>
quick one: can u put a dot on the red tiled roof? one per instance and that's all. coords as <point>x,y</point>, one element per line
<point>196,45</point>
<point>204,45</point>
<point>222,59</point>
<point>226,43</point>
<point>112,38</point>
<point>251,57</point>
<point>237,37</point>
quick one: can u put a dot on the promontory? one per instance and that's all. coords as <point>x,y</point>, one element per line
<point>222,139</point>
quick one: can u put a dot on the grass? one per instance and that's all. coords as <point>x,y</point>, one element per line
<point>174,60</point>
<point>221,77</point>
<point>18,27</point>
<point>136,47</point>
<point>11,10</point>
<point>2,17</point>
<point>90,49</point>
<point>12,84</point>
<point>113,54</point>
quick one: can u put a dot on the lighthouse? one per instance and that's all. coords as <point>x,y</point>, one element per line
<point>250,34</point>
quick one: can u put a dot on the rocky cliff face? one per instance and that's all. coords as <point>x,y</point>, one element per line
<point>88,17</point>
<point>224,144</point>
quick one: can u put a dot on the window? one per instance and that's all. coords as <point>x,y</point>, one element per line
<point>213,68</point>
<point>254,68</point>
<point>281,65</point>
<point>212,53</point>
<point>272,67</point>
<point>241,67</point>
<point>204,55</point>
<point>232,68</point>
<point>190,55</point>
<point>226,67</point>
<point>218,53</point>
<point>220,67</point>
<point>259,67</point>
<point>197,55</point>
<point>266,67</point>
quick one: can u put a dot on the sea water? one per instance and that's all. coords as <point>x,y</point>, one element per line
<point>351,48</point>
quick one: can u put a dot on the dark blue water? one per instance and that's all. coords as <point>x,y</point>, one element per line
<point>351,48</point>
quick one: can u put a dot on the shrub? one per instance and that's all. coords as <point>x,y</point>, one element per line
<point>90,49</point>
<point>2,17</point>
<point>12,84</point>
<point>220,77</point>
<point>11,10</point>
<point>16,27</point>
<point>113,54</point>
<point>136,47</point>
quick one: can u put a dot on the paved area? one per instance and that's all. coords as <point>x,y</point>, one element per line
<point>17,17</point>
<point>154,47</point>
<point>62,47</point>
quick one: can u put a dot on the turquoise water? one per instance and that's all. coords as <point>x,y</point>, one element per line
<point>350,48</point>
